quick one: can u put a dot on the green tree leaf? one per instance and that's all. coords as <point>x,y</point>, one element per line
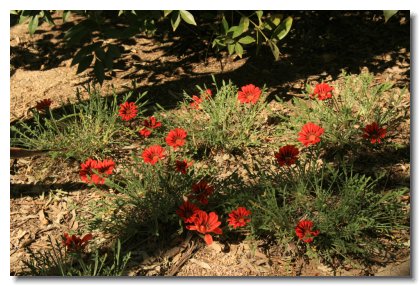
<point>283,29</point>
<point>275,50</point>
<point>66,15</point>
<point>225,24</point>
<point>239,50</point>
<point>175,20</point>
<point>246,40</point>
<point>33,24</point>
<point>166,12</point>
<point>244,23</point>
<point>231,48</point>
<point>389,13</point>
<point>259,15</point>
<point>188,17</point>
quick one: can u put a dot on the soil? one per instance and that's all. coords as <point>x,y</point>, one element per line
<point>48,199</point>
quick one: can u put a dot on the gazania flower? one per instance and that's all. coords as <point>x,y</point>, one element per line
<point>304,231</point>
<point>153,154</point>
<point>310,133</point>
<point>187,211</point>
<point>287,155</point>
<point>181,166</point>
<point>323,90</point>
<point>206,223</point>
<point>128,110</point>
<point>145,132</point>
<point>374,133</point>
<point>43,105</point>
<point>150,123</point>
<point>201,191</point>
<point>74,243</point>
<point>94,172</point>
<point>176,137</point>
<point>239,217</point>
<point>249,94</point>
<point>195,104</point>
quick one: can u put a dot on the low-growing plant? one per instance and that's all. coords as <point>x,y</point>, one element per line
<point>83,129</point>
<point>346,208</point>
<point>59,262</point>
<point>345,110</point>
<point>224,120</point>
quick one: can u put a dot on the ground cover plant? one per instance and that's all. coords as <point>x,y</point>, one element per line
<point>298,186</point>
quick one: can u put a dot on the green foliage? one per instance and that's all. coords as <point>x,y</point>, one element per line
<point>82,129</point>
<point>389,13</point>
<point>57,262</point>
<point>346,207</point>
<point>357,100</point>
<point>222,122</point>
<point>97,35</point>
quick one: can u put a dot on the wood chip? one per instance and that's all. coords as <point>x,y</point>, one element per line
<point>42,218</point>
<point>200,263</point>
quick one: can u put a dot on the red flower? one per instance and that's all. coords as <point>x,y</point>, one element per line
<point>145,132</point>
<point>323,90</point>
<point>206,223</point>
<point>304,231</point>
<point>374,133</point>
<point>196,102</point>
<point>309,134</point>
<point>249,94</point>
<point>201,191</point>
<point>74,243</point>
<point>287,155</point>
<point>239,217</point>
<point>181,166</point>
<point>150,123</point>
<point>187,211</point>
<point>43,104</point>
<point>176,137</point>
<point>94,172</point>
<point>153,154</point>
<point>128,110</point>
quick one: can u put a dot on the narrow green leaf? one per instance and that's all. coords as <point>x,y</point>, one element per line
<point>188,17</point>
<point>33,24</point>
<point>239,50</point>
<point>84,63</point>
<point>14,12</point>
<point>120,12</point>
<point>389,13</point>
<point>246,40</point>
<point>166,12</point>
<point>175,20</point>
<point>99,71</point>
<point>225,24</point>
